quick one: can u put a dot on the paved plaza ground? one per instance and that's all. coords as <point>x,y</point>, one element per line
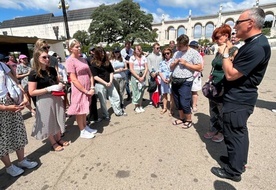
<point>145,151</point>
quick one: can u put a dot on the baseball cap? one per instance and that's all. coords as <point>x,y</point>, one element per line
<point>116,49</point>
<point>91,48</point>
<point>193,43</point>
<point>22,56</point>
<point>2,57</point>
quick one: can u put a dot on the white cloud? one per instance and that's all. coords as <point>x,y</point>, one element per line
<point>198,7</point>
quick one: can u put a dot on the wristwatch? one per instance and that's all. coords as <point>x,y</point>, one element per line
<point>225,55</point>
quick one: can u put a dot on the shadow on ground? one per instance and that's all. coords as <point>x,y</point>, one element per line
<point>214,149</point>
<point>218,185</point>
<point>266,104</point>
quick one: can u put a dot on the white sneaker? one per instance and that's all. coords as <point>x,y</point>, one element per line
<point>141,109</point>
<point>14,170</point>
<point>27,164</point>
<point>86,135</point>
<point>94,131</point>
<point>137,110</point>
<point>273,110</point>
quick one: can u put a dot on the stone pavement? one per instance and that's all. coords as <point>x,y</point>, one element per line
<point>145,151</point>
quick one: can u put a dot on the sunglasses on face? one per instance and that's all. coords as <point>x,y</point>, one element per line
<point>217,37</point>
<point>167,53</point>
<point>45,57</point>
<point>240,21</point>
<point>158,48</point>
<point>46,47</point>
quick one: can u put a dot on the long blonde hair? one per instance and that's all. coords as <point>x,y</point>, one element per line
<point>36,63</point>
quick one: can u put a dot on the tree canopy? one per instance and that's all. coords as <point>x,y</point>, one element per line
<point>120,22</point>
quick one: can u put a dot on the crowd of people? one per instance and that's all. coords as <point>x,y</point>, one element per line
<point>174,74</point>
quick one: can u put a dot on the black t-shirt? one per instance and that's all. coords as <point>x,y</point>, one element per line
<point>47,80</point>
<point>251,60</point>
<point>103,71</point>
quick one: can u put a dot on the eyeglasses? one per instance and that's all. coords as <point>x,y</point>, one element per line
<point>45,57</point>
<point>167,53</point>
<point>240,21</point>
<point>46,47</point>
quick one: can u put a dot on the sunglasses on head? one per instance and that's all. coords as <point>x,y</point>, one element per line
<point>45,57</point>
<point>46,47</point>
<point>240,21</point>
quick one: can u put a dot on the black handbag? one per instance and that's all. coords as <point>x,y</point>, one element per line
<point>178,81</point>
<point>213,91</point>
<point>152,85</point>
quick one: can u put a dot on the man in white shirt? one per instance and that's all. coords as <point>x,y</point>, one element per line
<point>153,63</point>
<point>126,53</point>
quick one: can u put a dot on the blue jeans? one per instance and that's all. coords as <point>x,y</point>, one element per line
<point>182,96</point>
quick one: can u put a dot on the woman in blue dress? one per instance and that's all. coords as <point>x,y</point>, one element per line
<point>165,74</point>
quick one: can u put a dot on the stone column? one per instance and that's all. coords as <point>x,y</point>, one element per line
<point>203,32</point>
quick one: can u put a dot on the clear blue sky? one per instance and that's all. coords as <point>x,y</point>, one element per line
<point>172,9</point>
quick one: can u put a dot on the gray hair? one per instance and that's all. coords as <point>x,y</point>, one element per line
<point>258,15</point>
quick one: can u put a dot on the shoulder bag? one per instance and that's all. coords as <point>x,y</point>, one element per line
<point>15,92</point>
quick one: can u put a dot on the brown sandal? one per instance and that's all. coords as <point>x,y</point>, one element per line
<point>63,143</point>
<point>57,148</point>
<point>187,124</point>
<point>178,122</point>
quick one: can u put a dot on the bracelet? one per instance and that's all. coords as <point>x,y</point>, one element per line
<point>86,92</point>
<point>92,87</point>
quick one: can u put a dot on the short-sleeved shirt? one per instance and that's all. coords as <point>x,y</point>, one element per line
<point>192,57</point>
<point>164,68</point>
<point>126,54</point>
<point>251,60</point>
<point>3,88</point>
<point>103,71</point>
<point>117,65</point>
<point>138,65</point>
<point>23,69</point>
<point>46,79</point>
<point>154,61</point>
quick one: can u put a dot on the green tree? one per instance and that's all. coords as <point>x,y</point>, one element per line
<point>119,22</point>
<point>82,37</point>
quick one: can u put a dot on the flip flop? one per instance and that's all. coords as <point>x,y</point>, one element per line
<point>63,143</point>
<point>57,148</point>
<point>187,124</point>
<point>178,122</point>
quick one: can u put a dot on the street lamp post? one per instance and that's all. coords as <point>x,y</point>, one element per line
<point>62,6</point>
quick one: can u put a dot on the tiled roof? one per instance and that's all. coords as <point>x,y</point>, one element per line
<point>72,15</point>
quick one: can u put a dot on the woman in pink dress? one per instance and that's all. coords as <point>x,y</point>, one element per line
<point>82,88</point>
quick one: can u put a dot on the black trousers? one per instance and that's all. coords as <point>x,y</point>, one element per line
<point>236,137</point>
<point>93,111</point>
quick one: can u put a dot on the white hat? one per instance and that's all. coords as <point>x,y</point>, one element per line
<point>51,53</point>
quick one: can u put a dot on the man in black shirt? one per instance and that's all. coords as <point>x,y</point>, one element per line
<point>242,75</point>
